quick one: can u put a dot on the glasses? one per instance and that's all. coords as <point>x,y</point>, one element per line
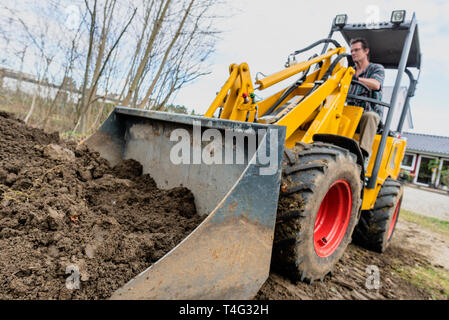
<point>355,50</point>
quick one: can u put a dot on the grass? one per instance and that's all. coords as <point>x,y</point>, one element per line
<point>74,135</point>
<point>62,117</point>
<point>432,224</point>
<point>431,279</point>
<point>434,281</point>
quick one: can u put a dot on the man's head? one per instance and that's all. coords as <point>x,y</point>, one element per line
<point>359,49</point>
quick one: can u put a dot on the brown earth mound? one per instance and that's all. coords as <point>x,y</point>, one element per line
<point>63,209</point>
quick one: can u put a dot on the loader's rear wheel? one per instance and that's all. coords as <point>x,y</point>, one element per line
<point>318,210</point>
<point>376,226</point>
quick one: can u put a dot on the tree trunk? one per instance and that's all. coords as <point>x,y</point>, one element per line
<point>167,52</point>
<point>30,112</point>
<point>138,48</point>
<point>155,31</point>
<point>82,101</point>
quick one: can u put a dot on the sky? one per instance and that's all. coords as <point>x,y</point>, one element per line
<point>263,33</point>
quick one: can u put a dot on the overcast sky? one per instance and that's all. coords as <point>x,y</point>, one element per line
<point>263,32</point>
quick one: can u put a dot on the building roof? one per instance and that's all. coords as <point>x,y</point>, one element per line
<point>427,143</point>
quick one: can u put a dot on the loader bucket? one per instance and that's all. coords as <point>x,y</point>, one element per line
<point>228,255</point>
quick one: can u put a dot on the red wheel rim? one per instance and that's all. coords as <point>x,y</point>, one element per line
<point>393,221</point>
<point>332,218</point>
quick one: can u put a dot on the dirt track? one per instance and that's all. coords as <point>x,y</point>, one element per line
<point>63,206</point>
<point>350,277</point>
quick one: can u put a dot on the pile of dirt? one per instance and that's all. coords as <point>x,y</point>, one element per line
<point>354,278</point>
<point>64,209</point>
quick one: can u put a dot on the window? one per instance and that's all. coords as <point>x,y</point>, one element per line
<point>425,174</point>
<point>408,162</point>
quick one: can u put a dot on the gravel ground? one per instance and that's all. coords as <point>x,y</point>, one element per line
<point>427,203</point>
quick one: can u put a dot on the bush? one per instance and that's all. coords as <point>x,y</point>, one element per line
<point>445,177</point>
<point>405,175</point>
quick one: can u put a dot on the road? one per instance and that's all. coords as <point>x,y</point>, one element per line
<point>427,203</point>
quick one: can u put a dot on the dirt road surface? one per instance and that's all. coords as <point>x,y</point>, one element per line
<point>411,247</point>
<point>433,246</point>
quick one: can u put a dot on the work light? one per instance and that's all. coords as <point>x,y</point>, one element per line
<point>397,16</point>
<point>340,20</point>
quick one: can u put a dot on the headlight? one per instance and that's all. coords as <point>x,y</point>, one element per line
<point>340,20</point>
<point>397,16</point>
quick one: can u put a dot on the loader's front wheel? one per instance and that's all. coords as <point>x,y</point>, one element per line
<point>318,209</point>
<point>376,226</point>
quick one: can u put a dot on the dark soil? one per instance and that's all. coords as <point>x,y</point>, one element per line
<point>63,208</point>
<point>349,279</point>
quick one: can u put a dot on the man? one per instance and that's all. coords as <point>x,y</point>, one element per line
<point>371,75</point>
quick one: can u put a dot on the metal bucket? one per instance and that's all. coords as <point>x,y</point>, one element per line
<point>228,255</point>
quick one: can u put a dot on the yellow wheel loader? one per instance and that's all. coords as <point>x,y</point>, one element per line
<point>281,179</point>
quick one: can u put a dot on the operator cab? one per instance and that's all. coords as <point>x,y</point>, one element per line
<point>395,45</point>
<point>388,47</point>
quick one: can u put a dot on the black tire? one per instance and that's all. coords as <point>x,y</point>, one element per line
<point>309,171</point>
<point>372,231</point>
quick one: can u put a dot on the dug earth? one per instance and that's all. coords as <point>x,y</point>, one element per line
<point>73,227</point>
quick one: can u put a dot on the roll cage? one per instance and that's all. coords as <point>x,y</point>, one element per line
<point>395,46</point>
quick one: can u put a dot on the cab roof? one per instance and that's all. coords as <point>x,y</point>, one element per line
<point>386,41</point>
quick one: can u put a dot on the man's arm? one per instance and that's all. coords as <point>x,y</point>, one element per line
<point>372,84</point>
<point>376,77</point>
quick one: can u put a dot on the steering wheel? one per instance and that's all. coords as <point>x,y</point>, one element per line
<point>368,90</point>
<point>371,96</point>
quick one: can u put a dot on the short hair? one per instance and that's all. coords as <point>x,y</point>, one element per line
<point>363,41</point>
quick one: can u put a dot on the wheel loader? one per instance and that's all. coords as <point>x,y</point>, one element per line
<point>281,180</point>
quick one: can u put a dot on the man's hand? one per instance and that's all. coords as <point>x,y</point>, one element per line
<point>372,84</point>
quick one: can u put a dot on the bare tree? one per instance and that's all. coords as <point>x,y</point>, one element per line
<point>146,18</point>
<point>186,67</point>
<point>166,55</point>
<point>102,58</point>
<point>93,21</point>
<point>177,57</point>
<point>160,16</point>
<point>140,52</point>
<point>68,70</point>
